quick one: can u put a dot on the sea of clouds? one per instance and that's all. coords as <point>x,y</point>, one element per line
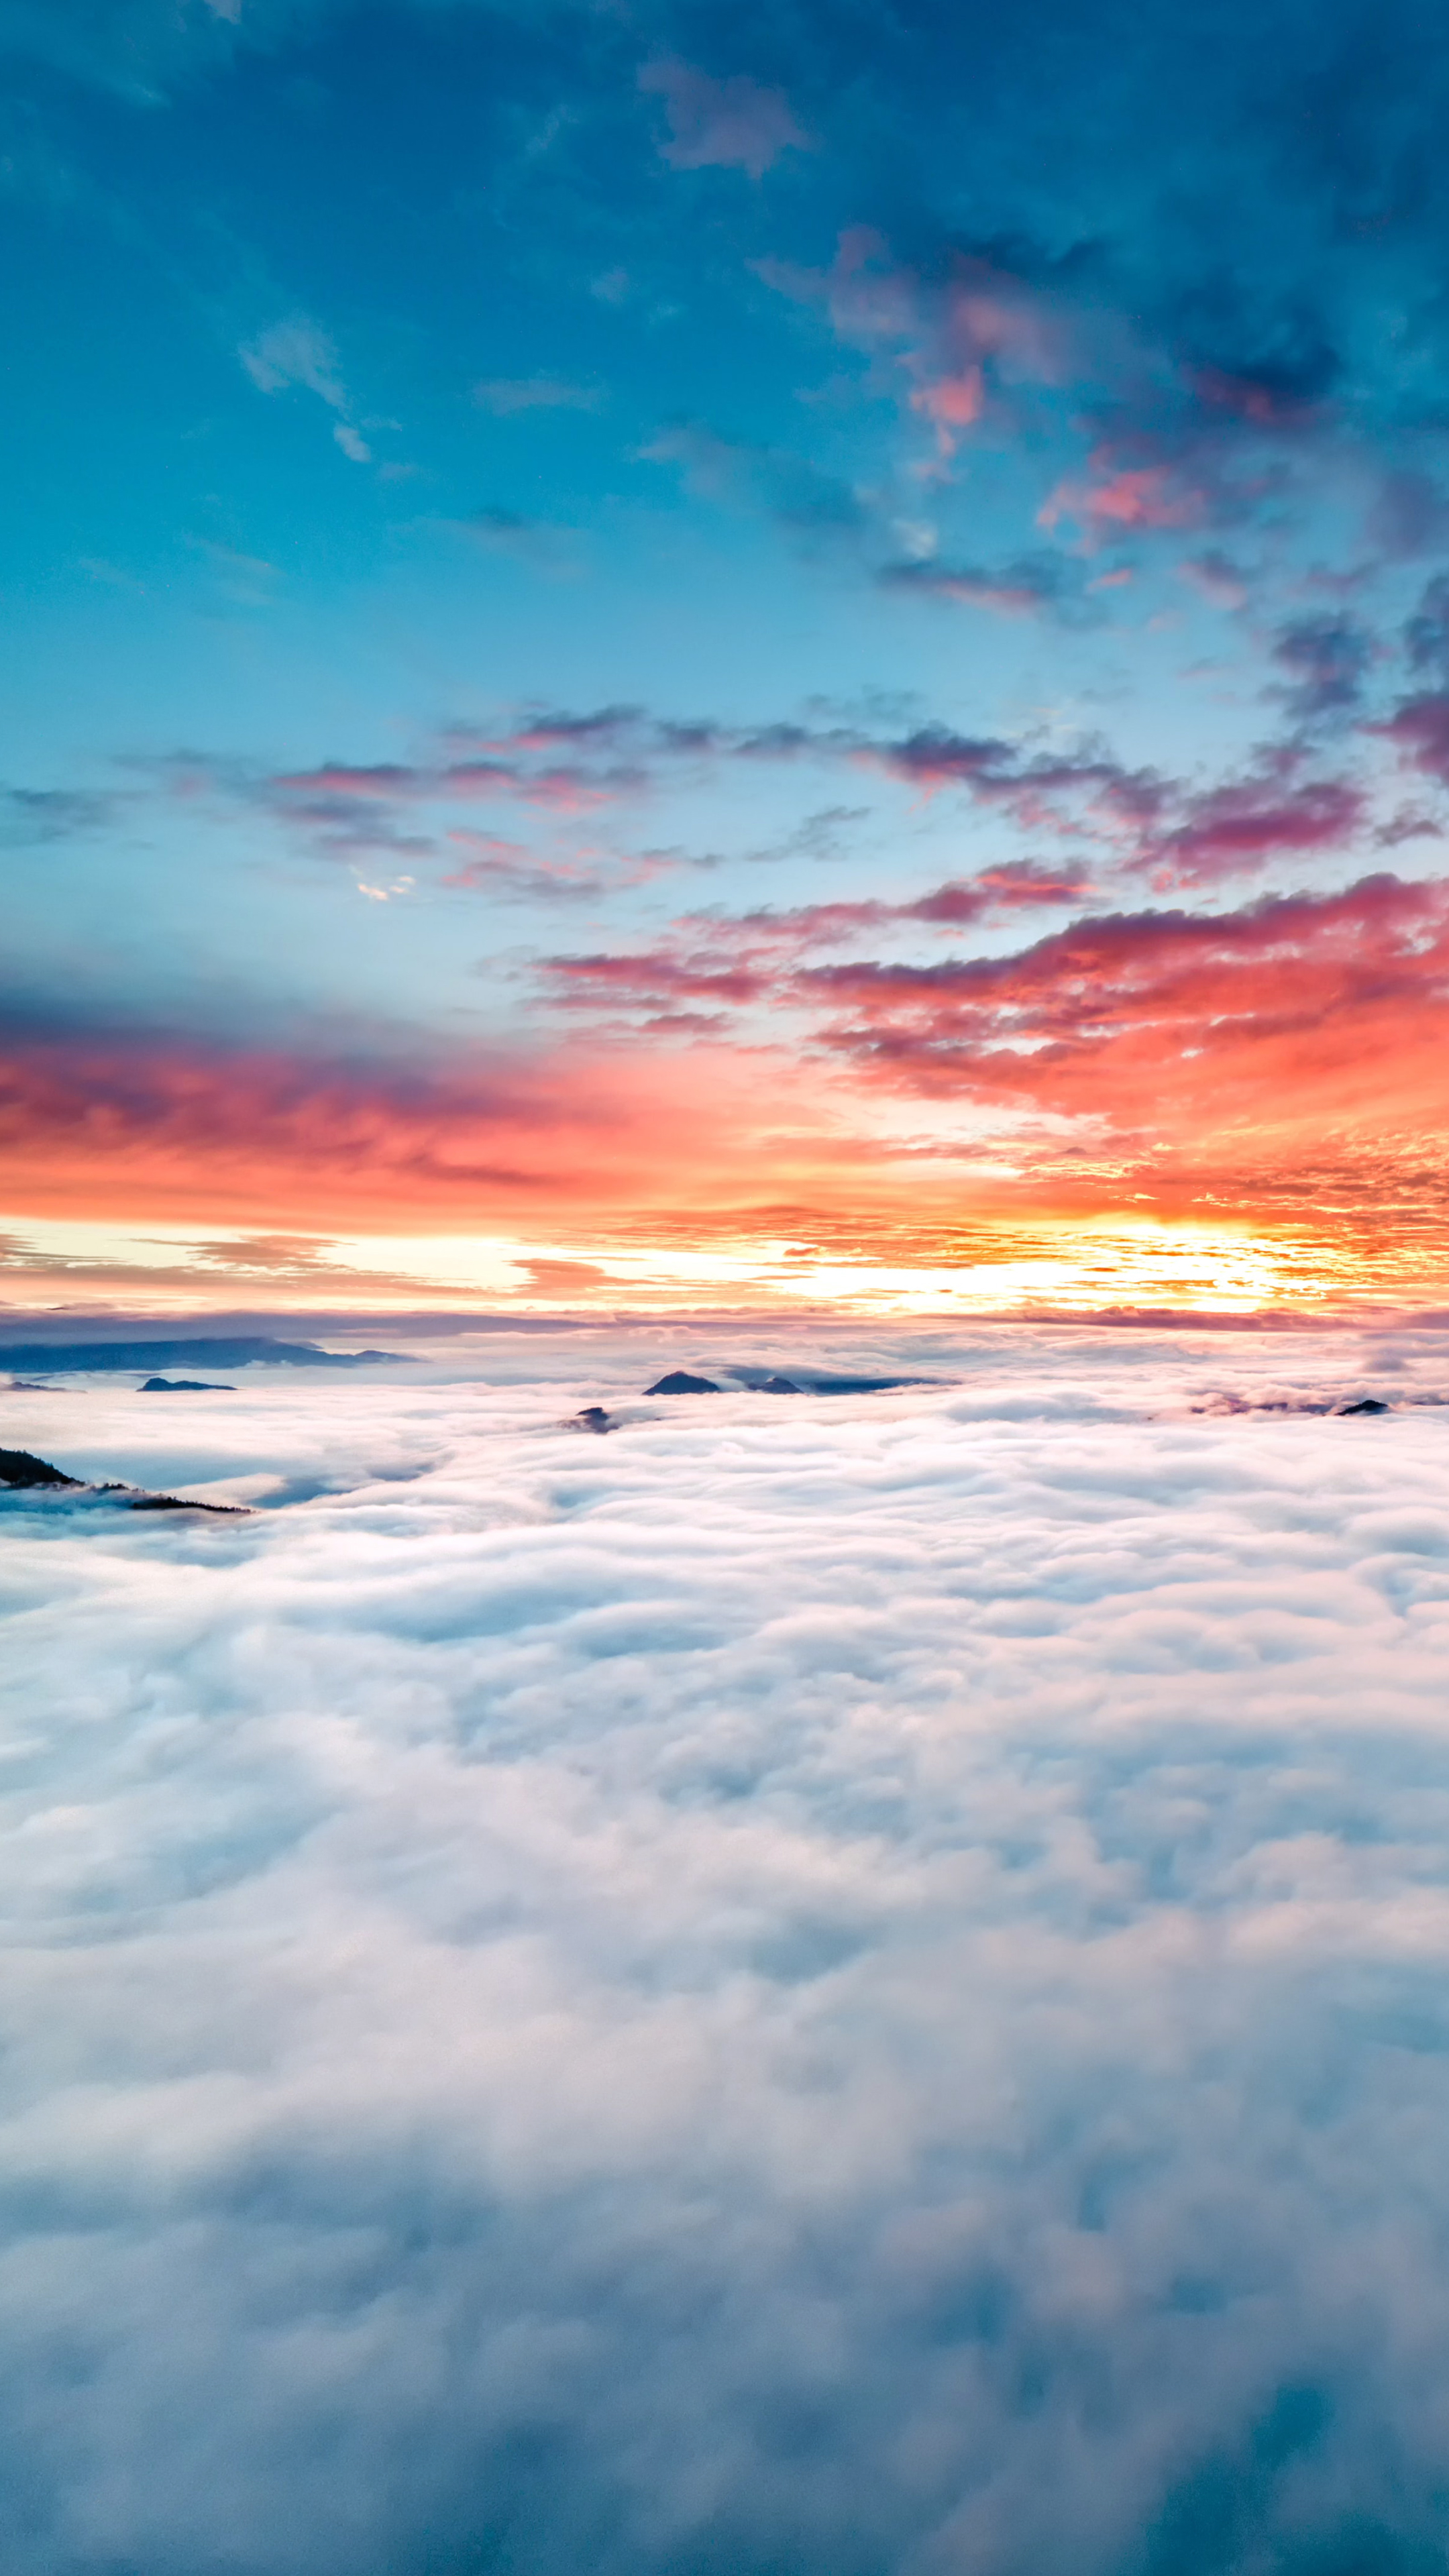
<point>819,1986</point>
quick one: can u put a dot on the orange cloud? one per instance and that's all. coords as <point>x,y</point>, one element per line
<point>1279,1065</point>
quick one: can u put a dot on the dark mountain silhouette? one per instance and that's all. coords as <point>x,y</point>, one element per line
<point>184,1386</point>
<point>17,1467</point>
<point>679,1382</point>
<point>20,1472</point>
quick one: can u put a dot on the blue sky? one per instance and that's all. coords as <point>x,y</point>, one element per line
<point>714,403</point>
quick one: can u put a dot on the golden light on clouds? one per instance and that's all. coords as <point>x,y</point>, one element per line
<point>1067,1267</point>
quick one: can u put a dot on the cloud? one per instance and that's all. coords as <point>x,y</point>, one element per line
<point>1018,882</point>
<point>488,864</point>
<point>545,545</point>
<point>626,746</point>
<point>1327,660</point>
<point>1408,515</point>
<point>731,124</point>
<point>1288,1050</point>
<point>295,352</point>
<point>1239,1034</point>
<point>1419,730</point>
<point>1113,498</point>
<point>1028,588</point>
<point>740,958</point>
<point>833,1987</point>
<point>247,581</point>
<point>299,352</point>
<point>1426,632</point>
<point>968,343</point>
<point>376,1129</point>
<point>571,762</point>
<point>1221,582</point>
<point>1032,784</point>
<point>1155,407</point>
<point>507,395</point>
<point>809,503</point>
<point>35,816</point>
<point>1236,829</point>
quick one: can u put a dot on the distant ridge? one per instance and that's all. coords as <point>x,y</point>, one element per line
<point>150,1356</point>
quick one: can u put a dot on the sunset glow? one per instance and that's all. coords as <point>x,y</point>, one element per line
<point>1068,1268</point>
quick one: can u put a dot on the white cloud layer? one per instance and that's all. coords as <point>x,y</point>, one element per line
<point>822,1986</point>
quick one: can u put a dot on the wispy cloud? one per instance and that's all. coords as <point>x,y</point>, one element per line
<point>298,352</point>
<point>547,546</point>
<point>1033,586</point>
<point>732,124</point>
<point>508,395</point>
<point>35,816</point>
<point>811,505</point>
<point>295,352</point>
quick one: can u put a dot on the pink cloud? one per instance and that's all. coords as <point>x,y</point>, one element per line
<point>1141,496</point>
<point>490,864</point>
<point>1294,1014</point>
<point>195,1130</point>
<point>1420,730</point>
<point>962,343</point>
<point>952,403</point>
<point>1014,590</point>
<point>1232,830</point>
<point>1025,881</point>
<point>1219,581</point>
<point>565,787</point>
<point>735,960</point>
<point>382,778</point>
<point>1294,1045</point>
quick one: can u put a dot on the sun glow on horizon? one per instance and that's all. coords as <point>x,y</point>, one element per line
<point>1064,1267</point>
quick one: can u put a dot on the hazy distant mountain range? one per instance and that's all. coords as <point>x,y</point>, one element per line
<point>52,1356</point>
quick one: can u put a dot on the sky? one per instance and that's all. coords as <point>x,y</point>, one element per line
<point>666,656</point>
<point>817,1986</point>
